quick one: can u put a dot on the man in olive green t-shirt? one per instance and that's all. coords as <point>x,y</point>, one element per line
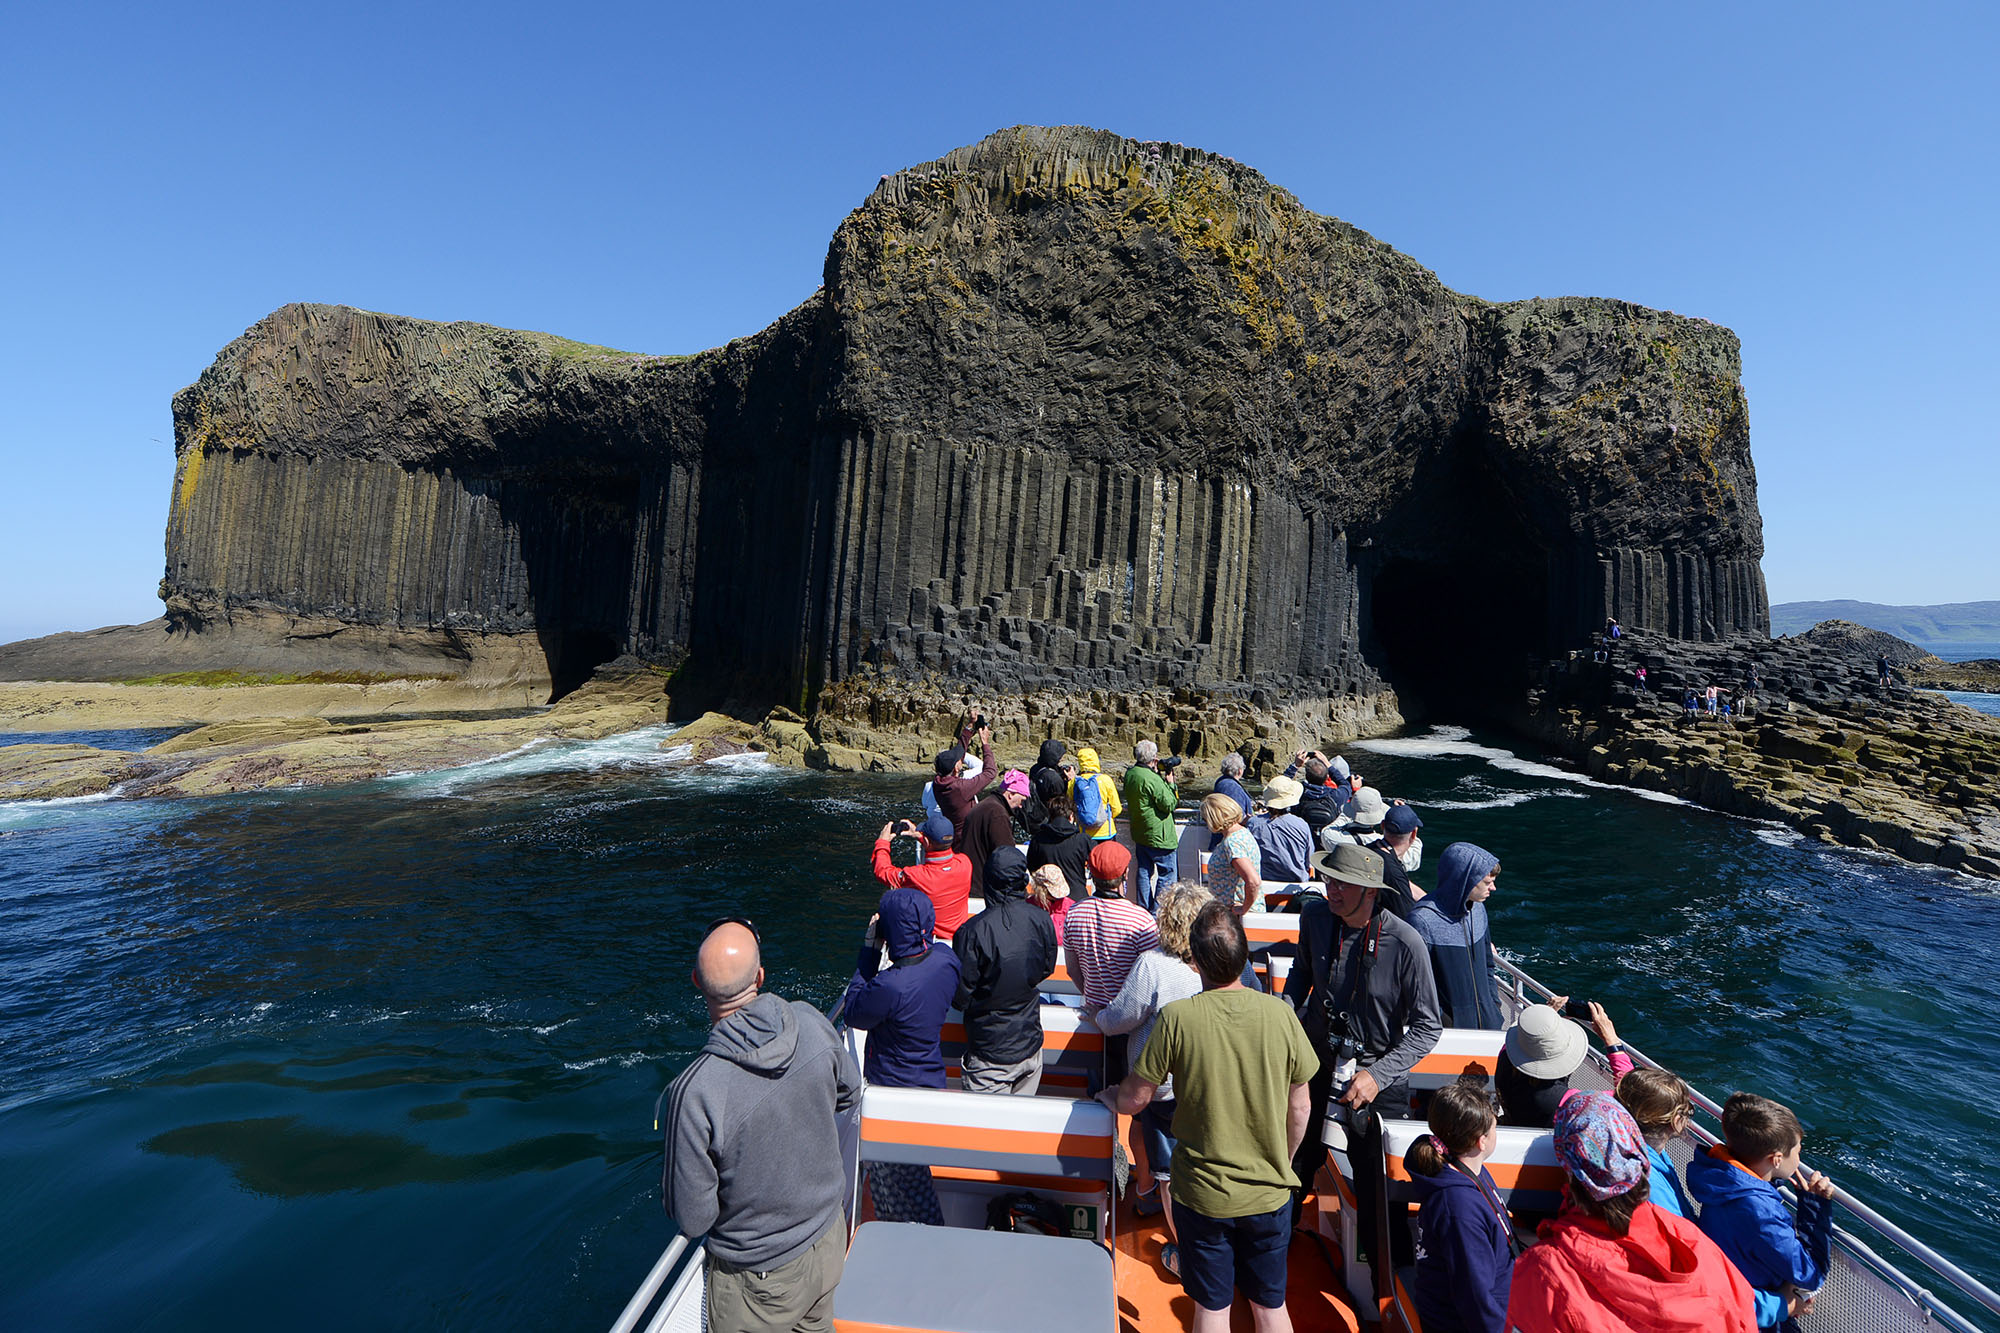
<point>1240,1063</point>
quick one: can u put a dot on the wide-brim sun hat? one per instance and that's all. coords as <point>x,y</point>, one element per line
<point>1544,1044</point>
<point>1369,808</point>
<point>1351,863</point>
<point>1282,793</point>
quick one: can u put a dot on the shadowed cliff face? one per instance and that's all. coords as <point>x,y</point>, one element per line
<point>1070,411</point>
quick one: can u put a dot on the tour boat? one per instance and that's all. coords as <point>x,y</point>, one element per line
<point>1102,1273</point>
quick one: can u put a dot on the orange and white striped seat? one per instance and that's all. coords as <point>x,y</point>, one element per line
<point>1524,1165</point>
<point>1458,1048</point>
<point>1072,1049</point>
<point>959,1279</point>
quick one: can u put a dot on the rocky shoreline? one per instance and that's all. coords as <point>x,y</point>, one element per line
<point>1824,747</point>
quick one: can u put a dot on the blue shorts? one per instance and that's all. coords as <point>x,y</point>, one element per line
<point>1223,1255</point>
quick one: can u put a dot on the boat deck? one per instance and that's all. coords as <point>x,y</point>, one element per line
<point>1149,1301</point>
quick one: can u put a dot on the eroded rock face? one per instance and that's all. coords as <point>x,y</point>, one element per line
<point>1070,412</point>
<point>1823,745</point>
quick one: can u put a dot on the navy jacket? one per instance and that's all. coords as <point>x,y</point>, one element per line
<point>1005,954</point>
<point>1465,1269</point>
<point>1747,1219</point>
<point>1461,946</point>
<point>902,1009</point>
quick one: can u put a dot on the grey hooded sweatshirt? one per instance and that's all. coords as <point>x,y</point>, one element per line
<point>752,1134</point>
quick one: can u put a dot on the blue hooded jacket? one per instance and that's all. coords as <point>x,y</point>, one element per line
<point>1747,1219</point>
<point>902,1009</point>
<point>1461,947</point>
<point>1465,1269</point>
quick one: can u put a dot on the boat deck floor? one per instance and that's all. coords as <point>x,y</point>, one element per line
<point>1150,1301</point>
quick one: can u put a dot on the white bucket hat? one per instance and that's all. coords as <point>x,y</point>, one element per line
<point>1369,809</point>
<point>1544,1044</point>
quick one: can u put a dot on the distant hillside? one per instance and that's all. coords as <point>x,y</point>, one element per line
<point>1963,626</point>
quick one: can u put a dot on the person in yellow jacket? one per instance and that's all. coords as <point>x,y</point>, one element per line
<point>1107,806</point>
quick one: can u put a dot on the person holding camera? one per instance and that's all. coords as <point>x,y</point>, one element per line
<point>961,774</point>
<point>940,874</point>
<point>1151,797</point>
<point>1363,989</point>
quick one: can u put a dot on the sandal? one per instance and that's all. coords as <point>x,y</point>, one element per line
<point>1148,1204</point>
<point>1170,1259</point>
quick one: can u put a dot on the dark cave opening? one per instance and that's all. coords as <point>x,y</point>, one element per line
<point>1458,640</point>
<point>573,654</point>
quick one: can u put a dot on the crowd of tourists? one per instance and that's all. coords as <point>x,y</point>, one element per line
<point>1235,1095</point>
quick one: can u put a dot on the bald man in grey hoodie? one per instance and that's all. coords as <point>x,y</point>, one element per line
<point>753,1146</point>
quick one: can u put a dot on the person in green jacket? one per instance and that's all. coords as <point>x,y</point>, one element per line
<point>1149,795</point>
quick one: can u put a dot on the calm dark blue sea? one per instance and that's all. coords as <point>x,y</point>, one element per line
<point>386,1056</point>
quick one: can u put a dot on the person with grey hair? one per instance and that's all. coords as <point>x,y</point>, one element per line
<point>1230,784</point>
<point>1149,795</point>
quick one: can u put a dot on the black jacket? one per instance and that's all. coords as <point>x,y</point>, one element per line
<point>1060,842</point>
<point>989,827</point>
<point>1318,806</point>
<point>1005,953</point>
<point>1044,775</point>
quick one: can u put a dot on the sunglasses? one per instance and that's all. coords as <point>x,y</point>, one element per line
<point>742,921</point>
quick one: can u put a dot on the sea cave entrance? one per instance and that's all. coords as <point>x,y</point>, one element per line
<point>573,654</point>
<point>1458,639</point>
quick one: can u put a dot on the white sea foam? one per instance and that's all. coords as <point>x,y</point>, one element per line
<point>624,1061</point>
<point>1448,742</point>
<point>24,814</point>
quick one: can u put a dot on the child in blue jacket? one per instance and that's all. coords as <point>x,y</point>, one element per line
<point>1784,1257</point>
<point>1465,1243</point>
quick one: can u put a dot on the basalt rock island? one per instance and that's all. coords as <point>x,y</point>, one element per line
<point>1117,438</point>
<point>1069,413</point>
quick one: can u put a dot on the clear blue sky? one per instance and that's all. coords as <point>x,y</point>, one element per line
<point>1824,179</point>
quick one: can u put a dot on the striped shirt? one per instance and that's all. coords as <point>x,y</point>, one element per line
<point>1106,937</point>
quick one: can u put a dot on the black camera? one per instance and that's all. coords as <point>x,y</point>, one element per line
<point>1170,763</point>
<point>979,721</point>
<point>1577,1009</point>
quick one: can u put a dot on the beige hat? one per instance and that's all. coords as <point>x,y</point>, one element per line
<point>1544,1044</point>
<point>1369,808</point>
<point>1282,793</point>
<point>1052,880</point>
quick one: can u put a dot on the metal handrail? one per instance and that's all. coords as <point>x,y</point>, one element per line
<point>642,1299</point>
<point>1918,1250</point>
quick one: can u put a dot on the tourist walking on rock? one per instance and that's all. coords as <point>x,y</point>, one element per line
<point>902,1009</point>
<point>1005,953</point>
<point>1229,782</point>
<point>990,825</point>
<point>1233,864</point>
<point>1150,796</point>
<point>1611,1260</point>
<point>1465,1243</point>
<point>1284,841</point>
<point>1455,929</point>
<point>1161,976</point>
<point>1240,1065</point>
<point>1094,798</point>
<point>753,1146</point>
<point>942,875</point>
